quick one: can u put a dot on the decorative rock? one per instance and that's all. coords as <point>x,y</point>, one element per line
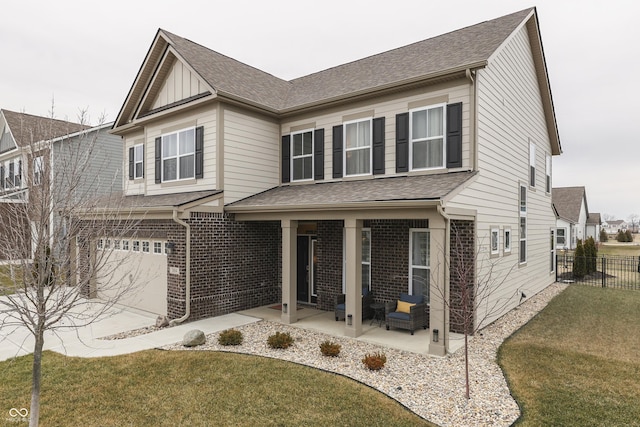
<point>162,321</point>
<point>193,338</point>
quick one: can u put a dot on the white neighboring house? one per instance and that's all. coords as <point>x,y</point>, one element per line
<point>571,208</point>
<point>614,226</point>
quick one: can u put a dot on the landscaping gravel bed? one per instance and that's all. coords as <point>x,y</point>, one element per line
<point>432,387</point>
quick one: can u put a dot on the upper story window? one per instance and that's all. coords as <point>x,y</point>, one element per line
<point>302,158</point>
<point>532,164</point>
<point>523,224</point>
<point>357,147</point>
<point>179,155</point>
<point>427,143</point>
<point>548,173</point>
<point>11,173</point>
<point>138,161</point>
<point>38,168</point>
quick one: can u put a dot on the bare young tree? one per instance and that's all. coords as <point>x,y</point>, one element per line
<point>51,222</point>
<point>633,220</point>
<point>477,295</point>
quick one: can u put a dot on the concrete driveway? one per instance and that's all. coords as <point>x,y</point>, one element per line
<point>84,341</point>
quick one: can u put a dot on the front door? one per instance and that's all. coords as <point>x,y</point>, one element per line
<point>306,269</point>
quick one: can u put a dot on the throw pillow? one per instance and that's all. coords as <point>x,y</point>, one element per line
<point>404,307</point>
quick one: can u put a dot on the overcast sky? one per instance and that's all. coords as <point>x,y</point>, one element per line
<point>86,54</point>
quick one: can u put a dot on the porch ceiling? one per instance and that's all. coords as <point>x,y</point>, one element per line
<point>375,192</point>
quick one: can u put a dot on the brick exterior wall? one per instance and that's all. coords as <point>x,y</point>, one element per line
<point>234,265</point>
<point>389,259</point>
<point>14,227</point>
<point>462,273</point>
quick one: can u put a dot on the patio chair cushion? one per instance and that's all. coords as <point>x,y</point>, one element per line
<point>340,307</point>
<point>399,316</point>
<point>414,299</point>
<point>404,307</point>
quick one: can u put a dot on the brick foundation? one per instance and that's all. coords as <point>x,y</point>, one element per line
<point>462,273</point>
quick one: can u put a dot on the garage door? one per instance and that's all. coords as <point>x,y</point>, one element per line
<point>135,272</point>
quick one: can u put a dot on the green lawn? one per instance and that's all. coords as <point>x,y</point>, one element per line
<point>578,362</point>
<point>619,249</point>
<point>7,285</point>
<point>172,388</point>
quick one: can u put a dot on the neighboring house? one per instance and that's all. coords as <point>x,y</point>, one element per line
<point>34,152</point>
<point>572,211</point>
<point>373,173</point>
<point>594,224</point>
<point>613,226</point>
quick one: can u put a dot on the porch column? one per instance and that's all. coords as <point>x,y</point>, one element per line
<point>439,291</point>
<point>353,277</point>
<point>289,271</point>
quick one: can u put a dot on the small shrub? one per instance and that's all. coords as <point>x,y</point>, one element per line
<point>603,235</point>
<point>329,348</point>
<point>374,361</point>
<point>230,337</point>
<point>628,236</point>
<point>280,340</point>
<point>579,261</point>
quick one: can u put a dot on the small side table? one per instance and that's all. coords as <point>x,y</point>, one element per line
<point>378,313</point>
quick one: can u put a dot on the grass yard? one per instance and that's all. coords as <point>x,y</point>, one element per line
<point>578,362</point>
<point>7,285</point>
<point>619,249</point>
<point>170,388</point>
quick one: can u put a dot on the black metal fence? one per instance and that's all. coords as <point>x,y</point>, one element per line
<point>608,271</point>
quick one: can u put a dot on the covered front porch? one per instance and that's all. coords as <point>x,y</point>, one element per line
<point>310,318</point>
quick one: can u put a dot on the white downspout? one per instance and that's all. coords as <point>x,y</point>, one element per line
<point>187,312</point>
<point>447,278</point>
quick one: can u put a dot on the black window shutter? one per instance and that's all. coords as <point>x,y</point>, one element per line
<point>199,152</point>
<point>337,151</point>
<point>318,155</point>
<point>378,146</point>
<point>158,160</point>
<point>454,135</point>
<point>2,176</point>
<point>131,161</point>
<point>402,142</point>
<point>286,158</point>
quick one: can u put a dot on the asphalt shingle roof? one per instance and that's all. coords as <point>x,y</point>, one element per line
<point>567,201</point>
<point>405,188</point>
<point>140,202</point>
<point>457,50</point>
<point>28,129</point>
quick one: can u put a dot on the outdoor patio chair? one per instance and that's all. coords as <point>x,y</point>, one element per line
<point>409,312</point>
<point>367,300</point>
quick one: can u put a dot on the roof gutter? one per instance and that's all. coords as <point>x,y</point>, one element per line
<point>187,227</point>
<point>335,207</point>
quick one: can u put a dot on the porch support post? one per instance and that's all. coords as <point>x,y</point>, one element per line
<point>289,271</point>
<point>353,277</point>
<point>439,290</point>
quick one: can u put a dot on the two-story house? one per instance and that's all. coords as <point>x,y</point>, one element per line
<point>41,153</point>
<point>252,190</point>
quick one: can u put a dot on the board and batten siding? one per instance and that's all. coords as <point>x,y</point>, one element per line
<point>251,155</point>
<point>179,84</point>
<point>510,114</point>
<point>205,117</point>
<point>387,107</point>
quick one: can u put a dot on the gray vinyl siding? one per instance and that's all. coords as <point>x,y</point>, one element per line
<point>103,171</point>
<point>510,114</point>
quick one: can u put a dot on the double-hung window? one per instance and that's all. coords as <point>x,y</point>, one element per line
<point>179,155</point>
<point>495,241</point>
<point>561,237</point>
<point>357,148</point>
<point>427,127</point>
<point>138,161</point>
<point>366,258</point>
<point>532,164</point>
<point>523,224</point>
<point>302,158</point>
<point>548,173</point>
<point>507,240</point>
<point>419,268</point>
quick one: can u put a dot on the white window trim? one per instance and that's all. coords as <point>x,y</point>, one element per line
<point>553,250</point>
<point>345,149</point>
<point>421,267</point>
<point>146,245</point>
<point>136,246</point>
<point>125,245</point>
<point>38,170</point>
<point>444,136</point>
<point>494,231</point>
<point>178,155</point>
<point>507,240</point>
<point>293,157</point>
<point>153,244</point>
<point>367,230</point>
<point>137,161</point>
<point>564,236</point>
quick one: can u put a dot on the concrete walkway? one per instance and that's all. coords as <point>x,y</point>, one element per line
<point>84,341</point>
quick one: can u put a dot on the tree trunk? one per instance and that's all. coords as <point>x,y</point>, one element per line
<point>34,413</point>
<point>466,363</point>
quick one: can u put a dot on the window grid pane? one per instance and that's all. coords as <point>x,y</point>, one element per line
<point>427,138</point>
